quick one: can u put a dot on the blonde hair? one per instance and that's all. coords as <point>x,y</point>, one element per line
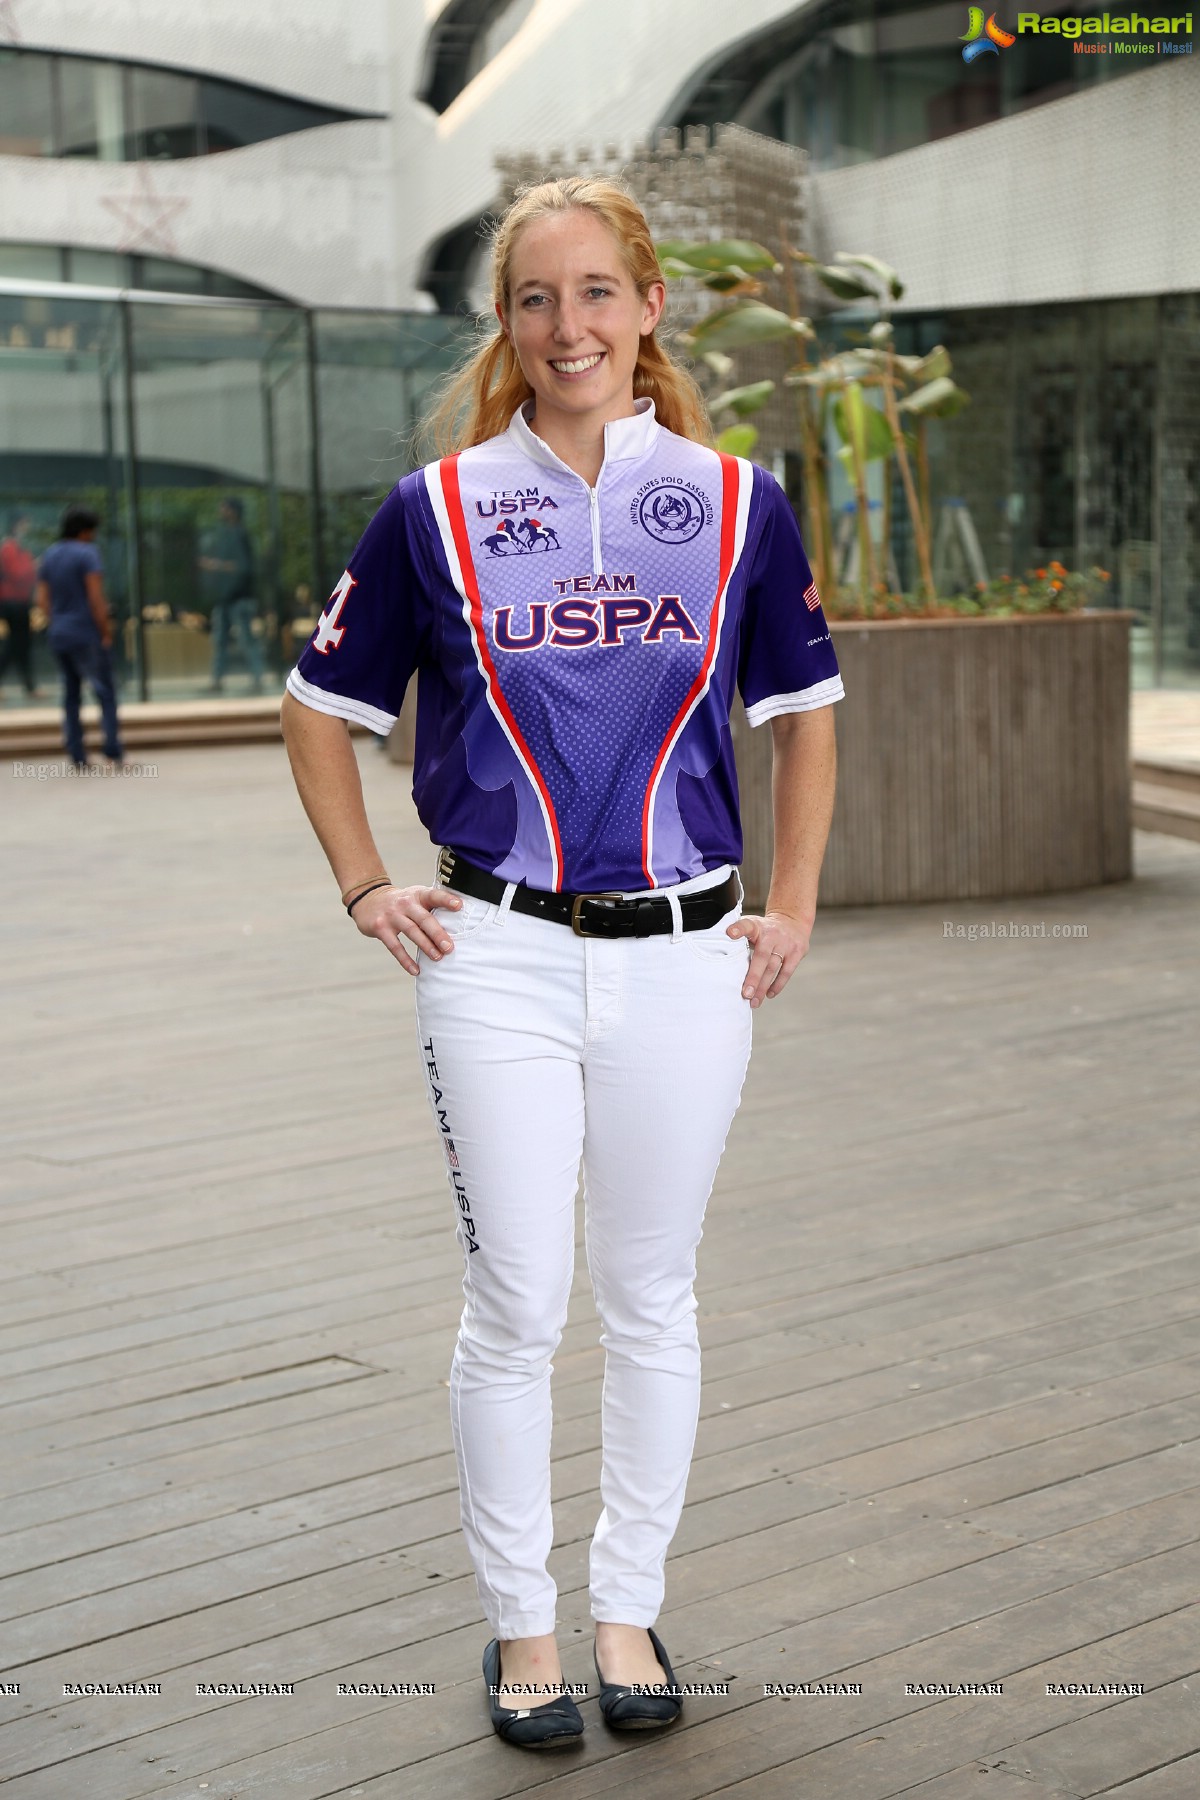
<point>486,391</point>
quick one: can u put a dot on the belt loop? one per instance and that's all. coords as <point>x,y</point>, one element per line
<point>672,900</point>
<point>506,902</point>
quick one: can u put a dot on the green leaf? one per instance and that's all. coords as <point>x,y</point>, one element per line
<point>835,371</point>
<point>843,285</point>
<point>934,363</point>
<point>861,425</point>
<point>722,253</point>
<point>737,440</point>
<point>938,399</point>
<point>737,326</point>
<point>744,400</point>
<point>848,420</point>
<point>719,363</point>
<point>873,358</point>
<point>882,271</point>
<point>881,332</point>
<point>728,279</point>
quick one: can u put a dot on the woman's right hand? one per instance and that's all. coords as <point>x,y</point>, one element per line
<point>390,913</point>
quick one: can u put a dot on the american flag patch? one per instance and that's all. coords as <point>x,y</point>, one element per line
<point>451,1153</point>
<point>811,597</point>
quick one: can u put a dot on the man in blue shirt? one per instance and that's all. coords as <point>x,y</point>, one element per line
<point>227,561</point>
<point>70,592</point>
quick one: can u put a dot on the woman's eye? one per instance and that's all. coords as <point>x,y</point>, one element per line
<point>598,293</point>
<point>530,299</point>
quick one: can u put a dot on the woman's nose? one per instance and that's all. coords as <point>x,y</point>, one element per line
<point>567,327</point>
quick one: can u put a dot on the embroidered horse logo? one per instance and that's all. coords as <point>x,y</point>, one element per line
<point>521,539</point>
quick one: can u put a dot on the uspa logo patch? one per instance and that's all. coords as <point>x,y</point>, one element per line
<point>672,512</point>
<point>980,39</point>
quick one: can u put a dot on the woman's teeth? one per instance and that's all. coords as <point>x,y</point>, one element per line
<point>577,368</point>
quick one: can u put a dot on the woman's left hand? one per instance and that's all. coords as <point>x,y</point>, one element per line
<point>780,943</point>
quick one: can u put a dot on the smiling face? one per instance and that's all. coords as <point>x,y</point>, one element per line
<point>575,320</point>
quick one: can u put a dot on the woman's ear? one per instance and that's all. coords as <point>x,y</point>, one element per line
<point>656,299</point>
<point>503,320</point>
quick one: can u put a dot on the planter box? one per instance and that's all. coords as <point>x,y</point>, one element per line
<point>977,758</point>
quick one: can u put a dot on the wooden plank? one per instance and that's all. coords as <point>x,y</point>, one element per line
<point>947,1302</point>
<point>1178,1780</point>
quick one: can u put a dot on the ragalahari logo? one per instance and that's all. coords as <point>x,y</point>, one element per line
<point>984,40</point>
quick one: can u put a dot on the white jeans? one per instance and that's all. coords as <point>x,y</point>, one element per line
<point>541,1048</point>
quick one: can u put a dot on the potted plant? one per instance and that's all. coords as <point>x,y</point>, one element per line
<point>983,742</point>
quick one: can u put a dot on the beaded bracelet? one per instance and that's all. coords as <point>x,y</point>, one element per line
<point>365,892</point>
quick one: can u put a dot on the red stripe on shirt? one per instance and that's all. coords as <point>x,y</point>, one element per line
<point>462,544</point>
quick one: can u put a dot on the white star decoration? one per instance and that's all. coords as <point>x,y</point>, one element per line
<point>10,31</point>
<point>145,214</point>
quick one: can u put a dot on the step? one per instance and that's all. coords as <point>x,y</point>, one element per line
<point>150,724</point>
<point>1170,810</point>
<point>1163,772</point>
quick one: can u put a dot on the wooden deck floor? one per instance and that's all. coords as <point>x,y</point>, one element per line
<point>949,1308</point>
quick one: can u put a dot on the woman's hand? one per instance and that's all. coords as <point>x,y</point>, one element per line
<point>387,912</point>
<point>780,943</point>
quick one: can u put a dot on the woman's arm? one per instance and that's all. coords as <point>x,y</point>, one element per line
<point>325,769</point>
<point>803,779</point>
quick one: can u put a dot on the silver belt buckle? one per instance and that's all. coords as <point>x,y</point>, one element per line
<point>578,901</point>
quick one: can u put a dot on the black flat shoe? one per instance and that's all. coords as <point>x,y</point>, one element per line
<point>627,1709</point>
<point>549,1727</point>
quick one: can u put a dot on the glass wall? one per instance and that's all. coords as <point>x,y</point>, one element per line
<point>1079,443</point>
<point>852,80</point>
<point>56,105</point>
<point>121,269</point>
<point>225,445</point>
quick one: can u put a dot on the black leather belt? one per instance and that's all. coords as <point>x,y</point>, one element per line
<point>593,915</point>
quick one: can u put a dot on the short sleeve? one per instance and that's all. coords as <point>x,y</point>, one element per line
<point>91,561</point>
<point>786,661</point>
<point>375,629</point>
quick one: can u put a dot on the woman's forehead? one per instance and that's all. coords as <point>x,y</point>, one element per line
<point>574,243</point>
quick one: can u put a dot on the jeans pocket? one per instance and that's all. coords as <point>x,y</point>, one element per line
<point>713,944</point>
<point>468,920</point>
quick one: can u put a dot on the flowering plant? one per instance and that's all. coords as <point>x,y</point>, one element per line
<point>1054,589</point>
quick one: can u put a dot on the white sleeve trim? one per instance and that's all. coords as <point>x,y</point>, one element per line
<point>341,706</point>
<point>823,693</point>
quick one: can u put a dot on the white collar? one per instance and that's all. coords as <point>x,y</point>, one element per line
<point>624,439</point>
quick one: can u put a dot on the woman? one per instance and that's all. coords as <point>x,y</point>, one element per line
<point>586,977</point>
<point>18,577</point>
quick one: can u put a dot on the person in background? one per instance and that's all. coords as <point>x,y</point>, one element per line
<point>18,576</point>
<point>70,592</point>
<point>228,560</point>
